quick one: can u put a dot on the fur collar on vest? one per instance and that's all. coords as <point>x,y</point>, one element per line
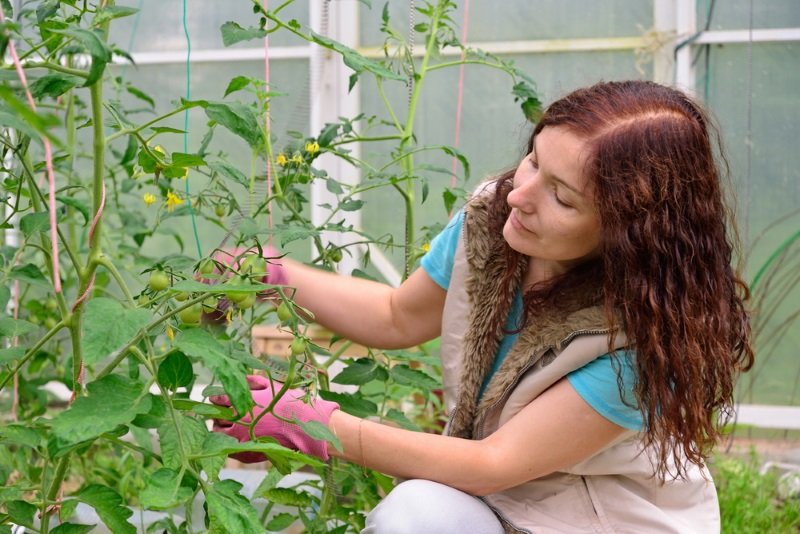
<point>491,291</point>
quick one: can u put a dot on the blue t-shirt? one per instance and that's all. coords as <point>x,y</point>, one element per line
<point>595,382</point>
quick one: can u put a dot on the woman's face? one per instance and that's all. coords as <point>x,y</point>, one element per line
<point>553,214</point>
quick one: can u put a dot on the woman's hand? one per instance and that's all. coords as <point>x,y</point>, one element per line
<point>279,423</point>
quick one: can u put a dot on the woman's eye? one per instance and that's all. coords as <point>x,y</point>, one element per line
<point>558,199</point>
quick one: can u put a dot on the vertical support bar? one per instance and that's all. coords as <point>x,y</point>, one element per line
<point>664,24</point>
<point>686,22</point>
<point>330,100</point>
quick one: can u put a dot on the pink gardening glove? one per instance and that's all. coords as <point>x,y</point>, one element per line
<point>290,406</point>
<point>276,275</point>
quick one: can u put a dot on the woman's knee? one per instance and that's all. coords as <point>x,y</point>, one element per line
<point>419,506</point>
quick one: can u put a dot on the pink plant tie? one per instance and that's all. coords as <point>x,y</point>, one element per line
<point>48,156</point>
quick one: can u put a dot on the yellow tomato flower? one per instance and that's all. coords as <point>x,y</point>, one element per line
<point>170,333</point>
<point>297,158</point>
<point>281,160</point>
<point>173,200</point>
<point>426,247</point>
<point>312,147</point>
<point>159,149</point>
<point>149,199</point>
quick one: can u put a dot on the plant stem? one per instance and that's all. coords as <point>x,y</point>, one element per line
<point>52,493</point>
<point>388,105</point>
<point>468,62</point>
<point>105,262</point>
<point>56,67</point>
<point>141,127</point>
<point>408,132</point>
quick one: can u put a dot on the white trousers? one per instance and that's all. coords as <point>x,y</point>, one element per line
<point>422,506</point>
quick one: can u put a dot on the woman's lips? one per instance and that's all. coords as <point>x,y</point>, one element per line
<point>515,222</point>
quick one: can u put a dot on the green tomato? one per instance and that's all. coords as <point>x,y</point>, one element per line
<point>180,296</point>
<point>284,312</point>
<point>298,346</point>
<point>210,304</point>
<point>50,322</point>
<point>254,265</point>
<point>237,296</point>
<point>51,304</point>
<point>220,210</point>
<point>192,314</point>
<point>335,255</point>
<point>159,281</point>
<point>247,302</point>
<point>207,266</point>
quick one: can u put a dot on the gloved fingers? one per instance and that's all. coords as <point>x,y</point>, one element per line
<point>220,400</point>
<point>258,382</point>
<point>221,425</point>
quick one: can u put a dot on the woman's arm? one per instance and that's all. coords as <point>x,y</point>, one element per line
<point>367,312</point>
<point>558,429</point>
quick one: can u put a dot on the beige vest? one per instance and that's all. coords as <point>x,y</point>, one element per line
<point>612,491</point>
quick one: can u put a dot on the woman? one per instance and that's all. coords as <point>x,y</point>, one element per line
<point>592,330</point>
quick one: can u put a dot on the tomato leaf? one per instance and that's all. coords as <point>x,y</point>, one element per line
<point>360,372</point>
<point>72,528</point>
<point>141,95</point>
<point>288,497</point>
<point>353,404</point>
<point>109,506</point>
<point>403,374</point>
<point>173,445</point>
<point>21,512</point>
<point>54,85</point>
<point>232,33</point>
<point>107,327</point>
<point>236,84</point>
<point>10,327</point>
<point>77,204</point>
<point>179,159</point>
<point>230,511</point>
<point>229,171</point>
<point>112,401</point>
<point>318,431</point>
<point>30,274</point>
<point>112,12</point>
<point>34,222</point>
<point>280,522</point>
<point>199,344</point>
<point>175,371</point>
<point>97,48</point>
<point>238,118</point>
<point>354,60</point>
<point>163,490</point>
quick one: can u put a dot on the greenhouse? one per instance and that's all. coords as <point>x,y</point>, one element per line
<point>402,266</point>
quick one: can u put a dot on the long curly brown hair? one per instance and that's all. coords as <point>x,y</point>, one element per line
<point>667,247</point>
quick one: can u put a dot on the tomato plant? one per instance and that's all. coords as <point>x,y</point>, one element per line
<point>122,331</point>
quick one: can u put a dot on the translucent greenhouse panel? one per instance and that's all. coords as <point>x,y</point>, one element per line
<point>767,183</point>
<point>735,14</point>
<point>166,85</point>
<point>159,27</point>
<point>525,20</point>
<point>493,128</point>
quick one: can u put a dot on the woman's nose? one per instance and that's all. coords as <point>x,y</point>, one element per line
<point>523,196</point>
